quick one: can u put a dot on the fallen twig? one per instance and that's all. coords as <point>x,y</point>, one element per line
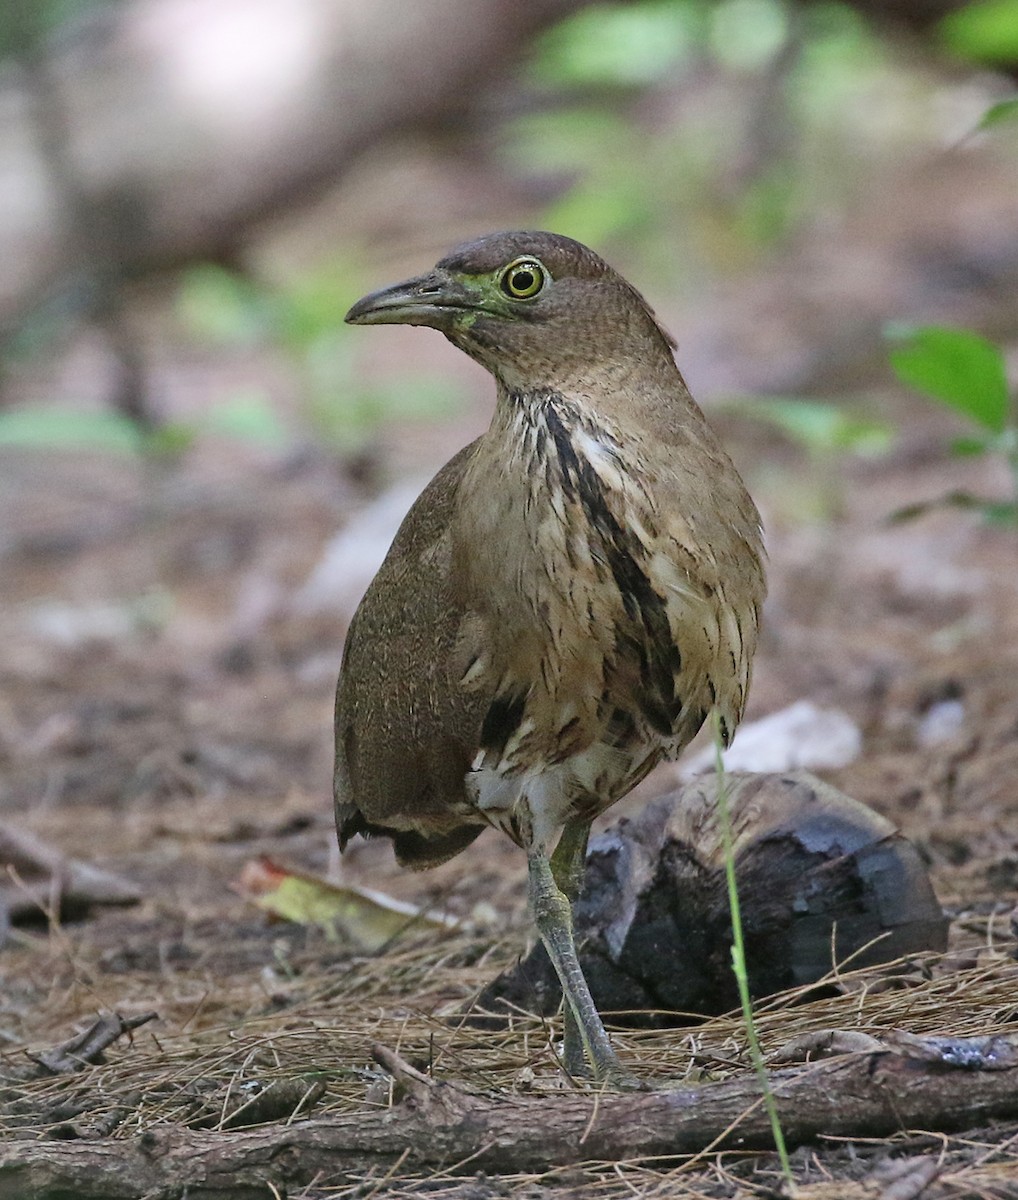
<point>88,1046</point>
<point>36,877</point>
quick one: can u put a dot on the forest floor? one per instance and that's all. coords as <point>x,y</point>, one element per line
<point>174,747</point>
<point>165,715</point>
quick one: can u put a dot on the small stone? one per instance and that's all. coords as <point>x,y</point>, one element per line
<point>941,722</point>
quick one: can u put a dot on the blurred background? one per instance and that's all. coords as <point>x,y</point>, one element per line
<point>201,466</point>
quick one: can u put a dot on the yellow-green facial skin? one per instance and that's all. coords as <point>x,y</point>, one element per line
<point>536,309</point>
<point>452,300</point>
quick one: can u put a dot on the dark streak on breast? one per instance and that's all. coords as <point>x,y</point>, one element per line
<point>646,639</point>
<point>502,720</point>
<point>621,727</point>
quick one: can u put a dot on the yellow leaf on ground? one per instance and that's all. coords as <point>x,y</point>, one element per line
<point>368,919</point>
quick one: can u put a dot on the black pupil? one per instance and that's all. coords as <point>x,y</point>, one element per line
<point>523,280</point>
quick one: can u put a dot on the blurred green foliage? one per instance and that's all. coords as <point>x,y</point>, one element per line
<point>781,102</point>
<point>62,427</point>
<point>828,433</point>
<point>984,30</point>
<point>304,319</point>
<point>620,45</point>
<point>818,426</point>
<point>647,42</point>
<point>968,374</point>
<point>766,140</point>
<point>1001,113</point>
<point>25,24</point>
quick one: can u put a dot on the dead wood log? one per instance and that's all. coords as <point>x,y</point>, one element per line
<point>941,1084</point>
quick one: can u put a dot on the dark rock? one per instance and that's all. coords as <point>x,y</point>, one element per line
<point>822,880</point>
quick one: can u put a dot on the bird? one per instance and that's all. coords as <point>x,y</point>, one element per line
<point>566,603</point>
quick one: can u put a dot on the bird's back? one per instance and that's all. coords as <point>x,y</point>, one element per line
<point>405,734</point>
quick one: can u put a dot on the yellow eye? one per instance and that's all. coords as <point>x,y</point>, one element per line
<point>523,279</point>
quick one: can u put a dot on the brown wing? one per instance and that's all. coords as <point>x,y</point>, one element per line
<point>405,733</point>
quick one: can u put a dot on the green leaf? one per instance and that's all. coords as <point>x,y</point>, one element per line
<point>817,424</point>
<point>969,447</point>
<point>959,368</point>
<point>999,114</point>
<point>69,429</point>
<point>986,30</point>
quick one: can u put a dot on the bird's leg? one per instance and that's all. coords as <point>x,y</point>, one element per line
<point>569,861</point>
<point>554,923</point>
<point>567,866</point>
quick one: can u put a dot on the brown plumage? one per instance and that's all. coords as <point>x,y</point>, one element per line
<point>566,602</point>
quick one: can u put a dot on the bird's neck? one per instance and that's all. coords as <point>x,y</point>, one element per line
<point>557,473</point>
<point>527,418</point>
<point>549,469</point>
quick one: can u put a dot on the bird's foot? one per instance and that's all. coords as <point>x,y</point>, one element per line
<point>620,1079</point>
<point>616,1078</point>
<point>599,1069</point>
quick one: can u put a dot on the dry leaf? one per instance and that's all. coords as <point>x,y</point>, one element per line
<point>369,919</point>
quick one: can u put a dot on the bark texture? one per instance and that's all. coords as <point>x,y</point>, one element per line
<point>933,1084</point>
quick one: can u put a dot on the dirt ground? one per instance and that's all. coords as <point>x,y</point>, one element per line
<point>165,712</point>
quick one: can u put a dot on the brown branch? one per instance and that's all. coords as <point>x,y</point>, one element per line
<point>166,182</point>
<point>36,877</point>
<point>437,1124</point>
<point>89,1045</point>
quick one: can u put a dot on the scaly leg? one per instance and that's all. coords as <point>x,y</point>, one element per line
<point>554,923</point>
<point>569,861</point>
<point>568,864</point>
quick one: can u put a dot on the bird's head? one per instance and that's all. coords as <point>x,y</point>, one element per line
<point>534,308</point>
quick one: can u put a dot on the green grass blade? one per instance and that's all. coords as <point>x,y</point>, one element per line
<point>739,958</point>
